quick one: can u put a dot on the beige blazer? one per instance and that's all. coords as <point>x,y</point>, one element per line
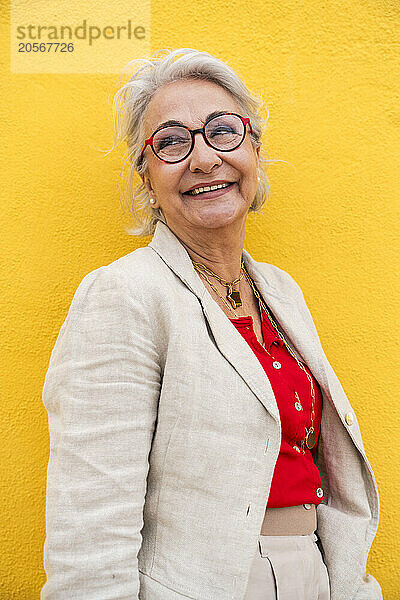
<point>164,433</point>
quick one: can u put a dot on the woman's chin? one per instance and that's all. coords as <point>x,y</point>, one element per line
<point>219,215</point>
<point>214,219</point>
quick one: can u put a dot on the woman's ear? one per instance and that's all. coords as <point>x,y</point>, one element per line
<point>147,183</point>
<point>151,193</point>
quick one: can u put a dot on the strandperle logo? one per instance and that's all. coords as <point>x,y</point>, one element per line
<point>71,36</point>
<point>88,32</point>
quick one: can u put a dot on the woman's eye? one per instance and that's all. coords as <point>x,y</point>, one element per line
<point>170,141</point>
<point>223,130</point>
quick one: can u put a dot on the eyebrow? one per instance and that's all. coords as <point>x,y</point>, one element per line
<point>172,122</point>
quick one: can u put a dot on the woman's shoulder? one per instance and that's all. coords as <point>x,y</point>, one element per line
<point>136,269</point>
<point>138,264</point>
<point>131,276</point>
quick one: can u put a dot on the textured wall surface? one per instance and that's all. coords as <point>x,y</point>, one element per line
<point>329,74</point>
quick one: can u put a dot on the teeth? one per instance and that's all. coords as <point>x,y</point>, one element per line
<point>208,189</point>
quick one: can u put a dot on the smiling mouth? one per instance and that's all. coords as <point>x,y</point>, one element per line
<point>207,192</point>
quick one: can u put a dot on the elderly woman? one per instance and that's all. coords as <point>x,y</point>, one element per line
<point>201,444</point>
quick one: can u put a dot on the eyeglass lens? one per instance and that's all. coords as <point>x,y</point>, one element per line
<point>224,133</point>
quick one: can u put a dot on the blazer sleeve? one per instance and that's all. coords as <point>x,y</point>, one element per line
<point>369,589</point>
<point>101,393</point>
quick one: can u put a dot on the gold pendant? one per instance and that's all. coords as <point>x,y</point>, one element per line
<point>234,297</point>
<point>311,438</point>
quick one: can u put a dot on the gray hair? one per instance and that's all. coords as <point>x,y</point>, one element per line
<point>130,104</point>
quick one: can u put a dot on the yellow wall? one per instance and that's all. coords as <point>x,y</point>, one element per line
<point>329,73</point>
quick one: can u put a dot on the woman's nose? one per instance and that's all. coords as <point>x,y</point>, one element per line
<point>202,154</point>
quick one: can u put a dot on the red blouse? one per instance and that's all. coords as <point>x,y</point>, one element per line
<point>296,479</point>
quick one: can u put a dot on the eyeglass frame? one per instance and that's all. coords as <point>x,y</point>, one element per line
<point>149,141</point>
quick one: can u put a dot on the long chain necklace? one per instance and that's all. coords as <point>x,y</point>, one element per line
<point>235,300</point>
<point>310,437</point>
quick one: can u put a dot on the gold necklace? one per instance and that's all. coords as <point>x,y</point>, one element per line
<point>275,363</point>
<point>217,292</point>
<point>232,295</point>
<point>310,437</point>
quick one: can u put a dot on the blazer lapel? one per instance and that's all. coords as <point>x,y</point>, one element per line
<point>290,321</point>
<point>228,340</point>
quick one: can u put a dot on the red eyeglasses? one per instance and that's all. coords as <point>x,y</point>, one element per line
<point>173,143</point>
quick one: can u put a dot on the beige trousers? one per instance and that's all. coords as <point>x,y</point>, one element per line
<point>288,568</point>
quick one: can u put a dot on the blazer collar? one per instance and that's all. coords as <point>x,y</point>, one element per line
<point>228,340</point>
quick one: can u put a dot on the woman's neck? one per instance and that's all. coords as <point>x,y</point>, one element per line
<point>221,254</point>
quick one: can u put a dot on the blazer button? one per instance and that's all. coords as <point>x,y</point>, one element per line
<point>307,506</point>
<point>349,418</point>
<point>319,492</point>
